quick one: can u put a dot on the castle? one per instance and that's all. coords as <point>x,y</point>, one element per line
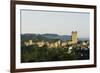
<point>74,38</point>
<point>56,44</point>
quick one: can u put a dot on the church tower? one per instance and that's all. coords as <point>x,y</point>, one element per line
<point>74,37</point>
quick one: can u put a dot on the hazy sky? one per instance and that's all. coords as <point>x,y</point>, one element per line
<point>62,23</point>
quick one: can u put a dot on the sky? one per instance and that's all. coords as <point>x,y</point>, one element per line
<point>55,22</point>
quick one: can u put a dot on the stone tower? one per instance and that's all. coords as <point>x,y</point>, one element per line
<point>74,37</point>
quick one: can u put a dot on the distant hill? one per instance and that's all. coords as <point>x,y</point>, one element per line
<point>47,37</point>
<point>56,36</point>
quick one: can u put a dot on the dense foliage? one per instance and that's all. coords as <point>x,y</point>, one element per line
<point>35,54</point>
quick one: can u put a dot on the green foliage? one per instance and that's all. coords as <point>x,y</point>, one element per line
<point>36,54</point>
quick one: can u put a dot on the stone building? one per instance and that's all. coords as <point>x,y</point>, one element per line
<point>56,44</point>
<point>74,38</point>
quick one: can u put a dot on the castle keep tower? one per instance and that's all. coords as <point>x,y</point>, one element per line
<point>74,37</point>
